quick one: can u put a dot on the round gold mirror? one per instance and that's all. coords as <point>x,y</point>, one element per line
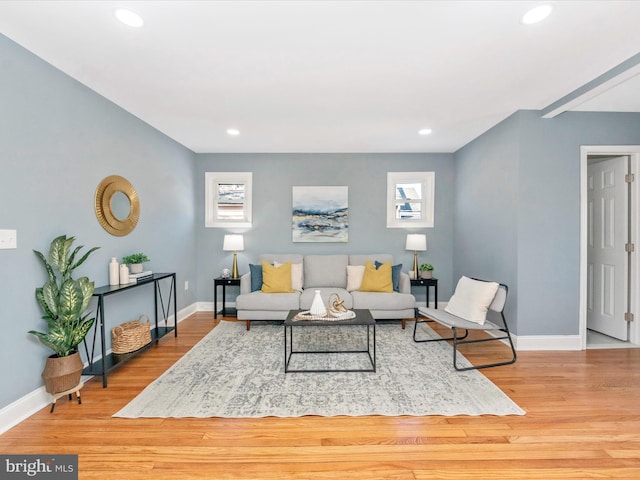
<point>120,206</point>
<point>117,205</point>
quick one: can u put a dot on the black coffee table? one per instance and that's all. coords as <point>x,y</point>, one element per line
<point>363,317</point>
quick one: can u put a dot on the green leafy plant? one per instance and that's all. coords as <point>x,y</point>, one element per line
<point>64,299</point>
<point>135,258</point>
<point>426,267</point>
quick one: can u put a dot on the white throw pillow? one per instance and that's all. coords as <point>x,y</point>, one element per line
<point>296,275</point>
<point>471,299</point>
<point>354,277</point>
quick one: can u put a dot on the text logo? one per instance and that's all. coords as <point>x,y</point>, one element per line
<point>50,467</point>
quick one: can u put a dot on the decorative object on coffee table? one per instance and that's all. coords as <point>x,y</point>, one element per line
<point>233,243</point>
<point>336,304</point>
<point>317,306</point>
<point>328,316</point>
<point>418,243</point>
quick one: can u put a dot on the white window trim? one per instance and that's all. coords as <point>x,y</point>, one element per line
<point>212,180</point>
<point>428,181</point>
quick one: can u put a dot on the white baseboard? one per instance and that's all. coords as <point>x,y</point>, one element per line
<point>543,342</point>
<point>36,400</point>
<point>207,306</point>
<point>185,312</point>
<point>547,342</point>
<point>23,408</point>
<point>524,343</point>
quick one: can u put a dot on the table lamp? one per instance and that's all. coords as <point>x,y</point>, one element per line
<point>418,243</point>
<point>233,242</point>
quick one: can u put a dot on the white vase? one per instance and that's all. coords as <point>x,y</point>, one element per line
<point>114,272</point>
<point>124,274</point>
<point>317,306</point>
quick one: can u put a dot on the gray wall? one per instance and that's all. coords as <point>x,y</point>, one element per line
<point>534,165</point>
<point>58,140</point>
<point>366,177</point>
<point>486,213</point>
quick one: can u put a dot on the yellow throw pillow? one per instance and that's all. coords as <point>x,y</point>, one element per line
<point>377,280</point>
<point>276,279</point>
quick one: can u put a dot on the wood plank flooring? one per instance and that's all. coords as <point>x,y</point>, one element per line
<point>583,421</point>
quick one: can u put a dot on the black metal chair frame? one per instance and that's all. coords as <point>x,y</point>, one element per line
<point>456,323</point>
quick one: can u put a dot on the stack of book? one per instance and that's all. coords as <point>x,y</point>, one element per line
<point>140,277</point>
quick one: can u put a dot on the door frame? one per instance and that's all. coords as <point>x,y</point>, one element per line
<point>615,150</point>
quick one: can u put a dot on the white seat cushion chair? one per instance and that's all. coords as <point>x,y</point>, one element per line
<point>467,310</point>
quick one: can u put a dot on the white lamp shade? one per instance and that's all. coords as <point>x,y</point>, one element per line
<point>416,242</point>
<point>233,242</point>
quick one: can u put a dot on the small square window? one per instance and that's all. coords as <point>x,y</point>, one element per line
<point>228,199</point>
<point>410,199</point>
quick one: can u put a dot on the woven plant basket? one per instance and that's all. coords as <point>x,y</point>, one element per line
<point>62,373</point>
<point>131,336</point>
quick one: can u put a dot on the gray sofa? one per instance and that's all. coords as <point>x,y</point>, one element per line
<point>327,273</point>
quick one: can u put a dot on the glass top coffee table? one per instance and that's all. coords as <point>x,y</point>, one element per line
<point>308,341</point>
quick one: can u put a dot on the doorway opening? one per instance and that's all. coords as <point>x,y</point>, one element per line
<point>609,228</point>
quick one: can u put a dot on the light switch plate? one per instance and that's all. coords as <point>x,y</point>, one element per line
<point>8,239</point>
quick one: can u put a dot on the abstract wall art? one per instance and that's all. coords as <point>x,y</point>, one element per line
<point>320,214</point>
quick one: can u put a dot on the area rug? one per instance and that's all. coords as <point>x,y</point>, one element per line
<point>234,373</point>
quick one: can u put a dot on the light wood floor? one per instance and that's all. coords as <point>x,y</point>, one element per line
<point>583,421</point>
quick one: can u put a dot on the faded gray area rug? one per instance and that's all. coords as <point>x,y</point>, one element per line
<point>239,374</point>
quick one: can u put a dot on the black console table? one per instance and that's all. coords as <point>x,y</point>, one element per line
<point>107,362</point>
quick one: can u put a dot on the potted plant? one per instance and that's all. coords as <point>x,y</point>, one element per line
<point>426,270</point>
<point>135,261</point>
<point>64,301</point>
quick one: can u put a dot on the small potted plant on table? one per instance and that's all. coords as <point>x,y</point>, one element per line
<point>426,270</point>
<point>135,261</point>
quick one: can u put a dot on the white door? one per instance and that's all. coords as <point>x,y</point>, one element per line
<point>608,233</point>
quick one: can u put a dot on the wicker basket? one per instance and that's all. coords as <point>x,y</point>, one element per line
<point>131,336</point>
<point>62,373</point>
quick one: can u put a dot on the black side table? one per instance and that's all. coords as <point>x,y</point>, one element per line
<point>427,283</point>
<point>224,282</point>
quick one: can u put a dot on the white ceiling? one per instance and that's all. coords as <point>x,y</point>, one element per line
<point>331,76</point>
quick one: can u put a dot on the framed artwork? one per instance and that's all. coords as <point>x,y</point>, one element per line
<point>320,214</point>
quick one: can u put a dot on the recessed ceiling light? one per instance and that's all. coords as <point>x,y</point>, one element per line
<point>233,131</point>
<point>536,14</point>
<point>424,131</point>
<point>129,18</point>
